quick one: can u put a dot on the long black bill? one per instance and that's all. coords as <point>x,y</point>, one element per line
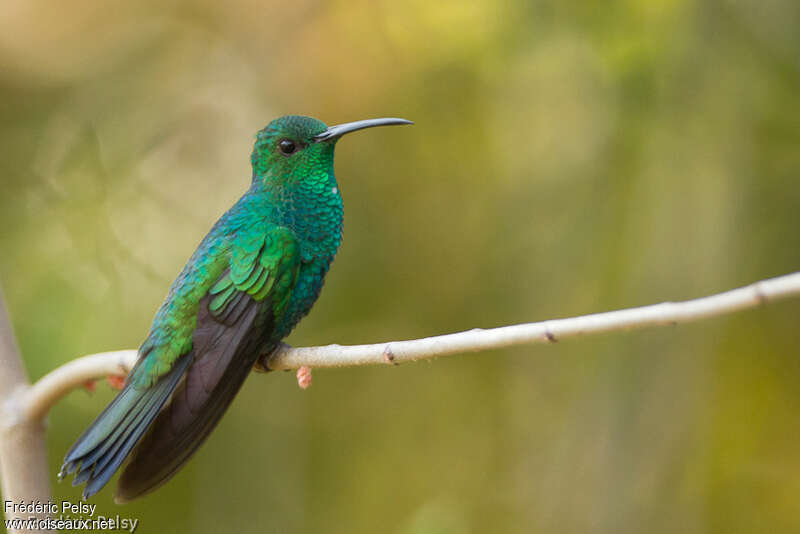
<point>339,130</point>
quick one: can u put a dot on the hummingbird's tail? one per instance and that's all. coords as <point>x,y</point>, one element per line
<point>223,357</point>
<point>162,425</point>
<point>102,448</point>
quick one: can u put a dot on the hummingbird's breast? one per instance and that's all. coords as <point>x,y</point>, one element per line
<point>315,215</point>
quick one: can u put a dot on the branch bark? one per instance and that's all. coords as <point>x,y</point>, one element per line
<point>37,400</point>
<point>23,457</point>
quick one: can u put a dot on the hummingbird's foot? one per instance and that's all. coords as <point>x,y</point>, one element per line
<point>262,363</point>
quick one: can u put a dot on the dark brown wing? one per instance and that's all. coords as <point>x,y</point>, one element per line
<point>223,355</point>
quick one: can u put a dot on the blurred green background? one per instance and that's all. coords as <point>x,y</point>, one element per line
<point>567,158</point>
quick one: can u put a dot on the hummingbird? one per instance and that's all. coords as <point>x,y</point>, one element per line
<point>256,273</point>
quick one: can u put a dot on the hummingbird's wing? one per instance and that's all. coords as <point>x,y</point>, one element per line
<point>254,291</point>
<point>234,318</point>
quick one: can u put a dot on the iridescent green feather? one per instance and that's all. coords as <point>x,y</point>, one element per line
<point>222,299</point>
<point>255,271</point>
<point>257,263</point>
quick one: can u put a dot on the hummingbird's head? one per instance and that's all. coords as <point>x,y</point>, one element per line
<point>293,147</point>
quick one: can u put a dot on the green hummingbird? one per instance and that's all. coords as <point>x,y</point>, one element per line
<point>257,272</point>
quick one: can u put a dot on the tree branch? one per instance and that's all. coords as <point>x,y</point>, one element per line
<point>666,313</point>
<point>23,457</point>
<point>57,383</point>
<point>38,399</point>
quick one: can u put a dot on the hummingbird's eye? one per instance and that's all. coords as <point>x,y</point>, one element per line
<point>287,147</point>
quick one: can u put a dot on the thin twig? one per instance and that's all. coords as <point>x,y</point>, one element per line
<point>57,383</point>
<point>49,389</point>
<point>666,313</point>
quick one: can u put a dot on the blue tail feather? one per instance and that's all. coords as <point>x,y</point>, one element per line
<point>99,452</point>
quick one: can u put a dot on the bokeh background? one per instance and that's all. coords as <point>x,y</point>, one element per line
<point>567,158</point>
